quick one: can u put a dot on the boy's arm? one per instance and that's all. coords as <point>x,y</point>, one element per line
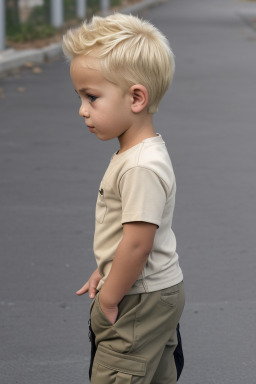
<point>129,260</point>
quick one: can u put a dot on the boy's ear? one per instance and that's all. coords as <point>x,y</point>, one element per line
<point>139,96</point>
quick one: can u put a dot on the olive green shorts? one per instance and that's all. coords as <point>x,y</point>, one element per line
<point>139,347</point>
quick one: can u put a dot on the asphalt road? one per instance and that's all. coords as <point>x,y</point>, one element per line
<point>50,171</point>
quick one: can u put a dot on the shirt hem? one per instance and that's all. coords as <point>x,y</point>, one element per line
<point>155,287</point>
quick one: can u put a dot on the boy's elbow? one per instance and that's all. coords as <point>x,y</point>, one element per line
<point>141,248</point>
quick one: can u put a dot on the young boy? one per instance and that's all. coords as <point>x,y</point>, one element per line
<point>121,67</point>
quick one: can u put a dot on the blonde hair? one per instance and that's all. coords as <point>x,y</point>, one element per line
<point>130,51</point>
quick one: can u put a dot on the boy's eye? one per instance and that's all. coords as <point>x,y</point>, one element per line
<point>92,98</point>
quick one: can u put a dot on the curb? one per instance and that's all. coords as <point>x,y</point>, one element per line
<point>11,59</point>
<point>143,5</point>
<point>248,14</point>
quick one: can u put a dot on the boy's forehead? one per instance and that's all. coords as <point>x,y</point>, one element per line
<point>86,75</point>
<point>84,71</point>
<point>85,62</point>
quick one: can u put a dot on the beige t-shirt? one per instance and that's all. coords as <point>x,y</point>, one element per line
<point>139,185</point>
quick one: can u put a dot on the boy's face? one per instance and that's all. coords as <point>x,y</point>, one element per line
<point>104,106</point>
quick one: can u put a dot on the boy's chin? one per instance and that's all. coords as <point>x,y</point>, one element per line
<point>103,138</point>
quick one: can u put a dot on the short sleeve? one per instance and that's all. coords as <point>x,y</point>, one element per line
<point>143,196</point>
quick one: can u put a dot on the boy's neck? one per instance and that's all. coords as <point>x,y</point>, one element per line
<point>136,134</point>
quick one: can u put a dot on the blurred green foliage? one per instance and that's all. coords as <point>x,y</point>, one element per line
<point>38,25</point>
<point>29,31</point>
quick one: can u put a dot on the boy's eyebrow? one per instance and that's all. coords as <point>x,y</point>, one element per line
<point>82,90</point>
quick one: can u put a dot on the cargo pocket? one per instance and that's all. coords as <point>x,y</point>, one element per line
<point>117,368</point>
<point>101,206</point>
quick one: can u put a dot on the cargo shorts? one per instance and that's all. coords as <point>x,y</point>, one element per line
<point>138,348</point>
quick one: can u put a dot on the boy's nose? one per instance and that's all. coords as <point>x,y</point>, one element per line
<point>83,112</point>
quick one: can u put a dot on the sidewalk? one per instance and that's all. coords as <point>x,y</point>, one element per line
<point>11,59</point>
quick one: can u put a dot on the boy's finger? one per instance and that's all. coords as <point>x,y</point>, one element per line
<point>83,290</point>
<point>92,292</point>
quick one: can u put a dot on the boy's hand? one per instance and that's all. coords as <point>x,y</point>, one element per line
<point>110,312</point>
<point>91,285</point>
